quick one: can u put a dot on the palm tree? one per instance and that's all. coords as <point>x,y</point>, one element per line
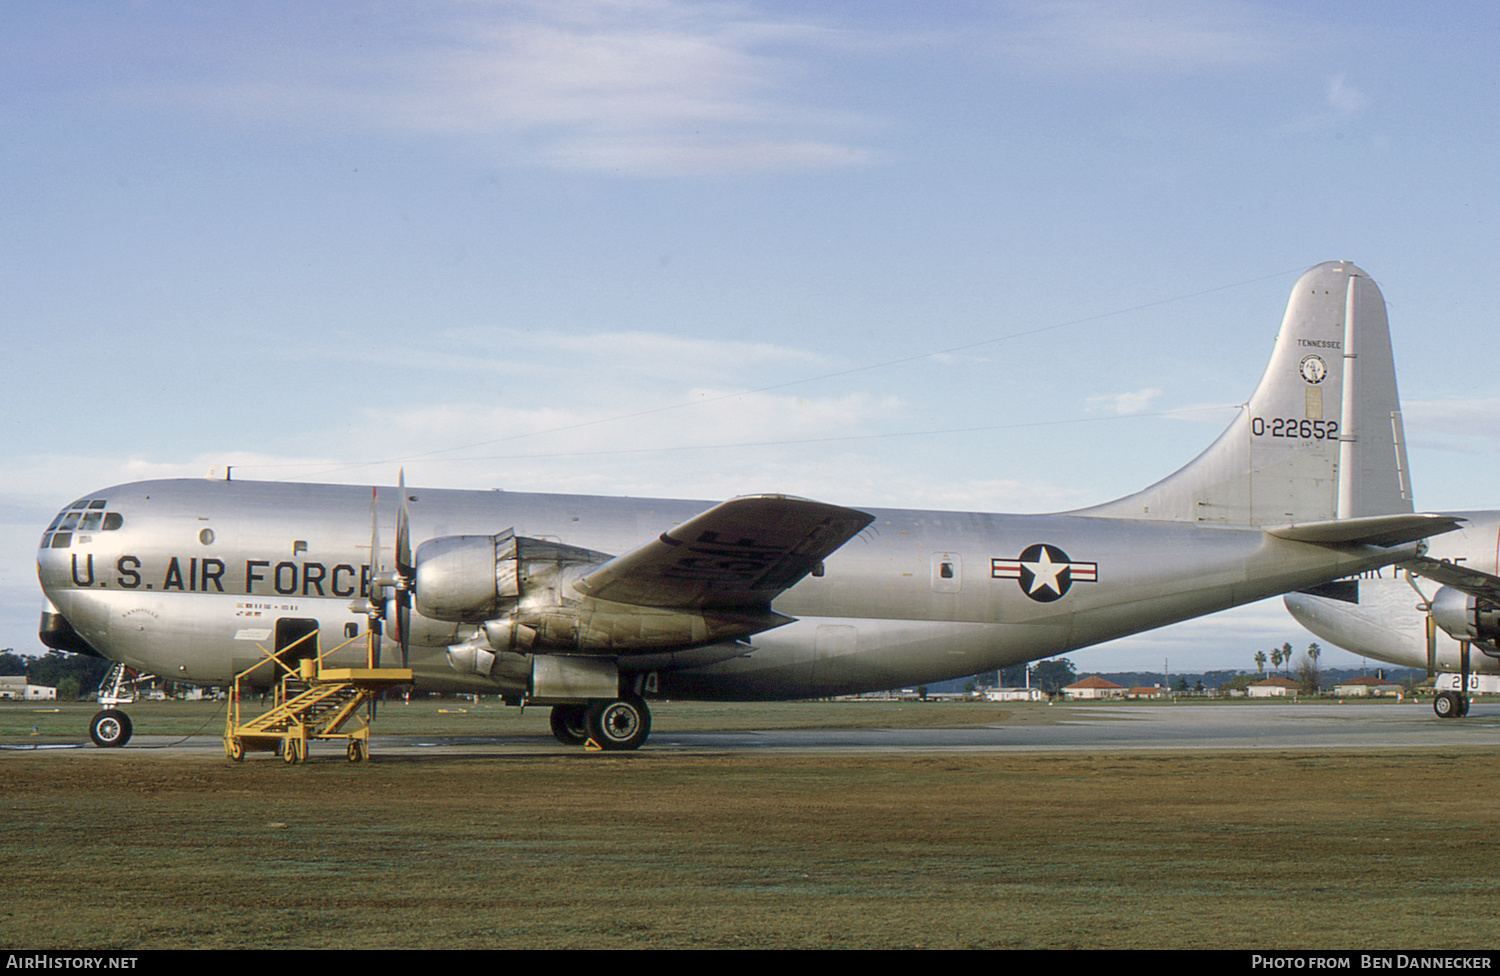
<point>1260,662</point>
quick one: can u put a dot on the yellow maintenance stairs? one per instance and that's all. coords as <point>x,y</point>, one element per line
<point>310,702</point>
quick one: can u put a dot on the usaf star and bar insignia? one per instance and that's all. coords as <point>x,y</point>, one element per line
<point>1044,572</point>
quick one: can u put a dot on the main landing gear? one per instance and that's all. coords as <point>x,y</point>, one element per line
<point>1450,704</point>
<point>615,725</point>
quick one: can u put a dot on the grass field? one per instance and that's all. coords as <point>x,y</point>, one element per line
<point>161,849</point>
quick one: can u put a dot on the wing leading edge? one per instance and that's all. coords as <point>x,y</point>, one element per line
<point>737,555</point>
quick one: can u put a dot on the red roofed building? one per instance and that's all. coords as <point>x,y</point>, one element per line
<point>1093,687</point>
<point>1275,686</point>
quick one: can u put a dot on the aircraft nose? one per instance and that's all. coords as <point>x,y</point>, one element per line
<point>83,518</point>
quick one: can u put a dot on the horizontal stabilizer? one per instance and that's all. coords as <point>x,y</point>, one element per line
<point>1470,581</point>
<point>1369,530</point>
<point>740,554</point>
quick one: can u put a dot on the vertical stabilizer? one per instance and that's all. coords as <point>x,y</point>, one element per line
<point>1321,436</point>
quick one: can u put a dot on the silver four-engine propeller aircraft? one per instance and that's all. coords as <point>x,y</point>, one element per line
<point>1429,612</point>
<point>592,605</point>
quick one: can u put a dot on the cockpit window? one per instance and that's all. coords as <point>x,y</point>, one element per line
<point>84,515</point>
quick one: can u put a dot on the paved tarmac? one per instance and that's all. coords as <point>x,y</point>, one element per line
<point>1166,728</point>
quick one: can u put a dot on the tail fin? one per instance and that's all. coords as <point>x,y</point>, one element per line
<point>1321,437</point>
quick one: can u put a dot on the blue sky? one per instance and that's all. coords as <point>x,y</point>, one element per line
<point>1002,256</point>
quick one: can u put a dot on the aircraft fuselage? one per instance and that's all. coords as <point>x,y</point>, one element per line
<point>198,580</point>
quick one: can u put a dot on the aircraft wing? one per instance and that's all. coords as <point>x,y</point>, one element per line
<point>1471,581</point>
<point>1369,530</point>
<point>737,555</point>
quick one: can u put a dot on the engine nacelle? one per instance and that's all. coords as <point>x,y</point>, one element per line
<point>1464,616</point>
<point>600,627</point>
<point>474,578</point>
<point>520,592</point>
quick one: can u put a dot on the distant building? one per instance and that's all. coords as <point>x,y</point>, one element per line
<point>1141,691</point>
<point>1093,687</point>
<point>1366,686</point>
<point>1274,687</point>
<point>15,688</point>
<point>1014,694</point>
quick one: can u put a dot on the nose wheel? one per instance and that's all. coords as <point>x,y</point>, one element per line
<point>110,728</point>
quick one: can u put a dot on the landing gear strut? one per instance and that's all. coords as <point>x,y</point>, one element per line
<point>110,728</point>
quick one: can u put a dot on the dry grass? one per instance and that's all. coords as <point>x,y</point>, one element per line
<point>660,849</point>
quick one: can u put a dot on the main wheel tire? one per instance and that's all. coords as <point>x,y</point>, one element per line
<point>570,724</point>
<point>620,724</point>
<point>1446,705</point>
<point>110,728</point>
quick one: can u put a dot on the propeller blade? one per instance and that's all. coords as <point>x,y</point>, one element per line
<point>372,592</point>
<point>403,532</point>
<point>405,570</point>
<point>403,623</point>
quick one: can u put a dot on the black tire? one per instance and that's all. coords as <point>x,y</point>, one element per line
<point>570,724</point>
<point>356,751</point>
<point>110,728</point>
<point>1445,705</point>
<point>234,748</point>
<point>620,724</point>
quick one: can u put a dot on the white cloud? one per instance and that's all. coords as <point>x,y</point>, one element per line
<point>1123,403</point>
<point>1452,424</point>
<point>1344,98</point>
<point>1155,35</point>
<point>645,88</point>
